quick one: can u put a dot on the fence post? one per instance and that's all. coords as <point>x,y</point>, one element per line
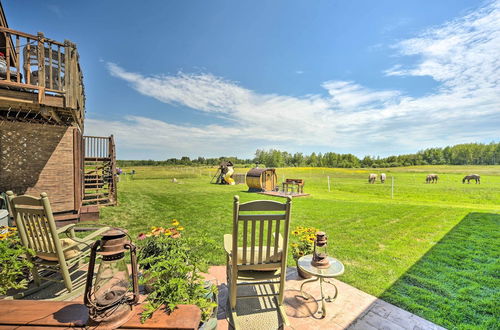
<point>392,187</point>
<point>328,183</point>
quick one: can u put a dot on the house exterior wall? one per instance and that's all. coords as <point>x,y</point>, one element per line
<point>37,158</point>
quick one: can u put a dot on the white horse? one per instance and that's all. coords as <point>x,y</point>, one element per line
<point>372,177</point>
<point>382,178</point>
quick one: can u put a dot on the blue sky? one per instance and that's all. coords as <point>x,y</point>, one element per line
<point>214,78</point>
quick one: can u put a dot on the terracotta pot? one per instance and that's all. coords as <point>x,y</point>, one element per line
<point>302,273</point>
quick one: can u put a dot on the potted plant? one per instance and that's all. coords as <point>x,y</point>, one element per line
<point>302,243</point>
<point>13,261</point>
<point>172,264</point>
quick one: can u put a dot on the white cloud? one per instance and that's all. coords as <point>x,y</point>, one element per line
<point>462,55</point>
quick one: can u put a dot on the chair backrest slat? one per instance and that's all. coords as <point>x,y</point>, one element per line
<point>245,235</point>
<point>276,240</point>
<point>269,238</point>
<point>38,231</point>
<point>264,246</point>
<point>252,244</point>
<point>28,224</point>
<point>44,234</point>
<point>261,240</point>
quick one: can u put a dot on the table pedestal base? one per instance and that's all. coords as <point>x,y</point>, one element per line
<point>323,298</point>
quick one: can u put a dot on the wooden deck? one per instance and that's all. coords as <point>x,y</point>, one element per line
<point>41,81</point>
<point>282,194</point>
<point>27,314</point>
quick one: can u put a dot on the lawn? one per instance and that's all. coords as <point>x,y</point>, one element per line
<point>402,248</point>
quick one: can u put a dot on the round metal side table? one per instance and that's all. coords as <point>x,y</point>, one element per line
<point>336,268</point>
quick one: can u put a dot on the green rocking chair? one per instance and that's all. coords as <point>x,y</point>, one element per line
<point>37,230</point>
<point>260,258</point>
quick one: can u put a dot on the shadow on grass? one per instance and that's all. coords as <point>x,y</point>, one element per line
<point>456,283</point>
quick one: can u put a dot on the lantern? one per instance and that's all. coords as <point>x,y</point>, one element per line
<point>108,298</point>
<point>320,259</point>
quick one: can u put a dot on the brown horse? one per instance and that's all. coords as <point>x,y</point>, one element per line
<point>432,178</point>
<point>372,177</point>
<point>469,177</point>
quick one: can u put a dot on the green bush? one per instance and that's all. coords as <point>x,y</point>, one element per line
<point>171,266</point>
<point>12,261</point>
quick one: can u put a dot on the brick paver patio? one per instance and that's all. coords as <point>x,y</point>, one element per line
<point>353,309</point>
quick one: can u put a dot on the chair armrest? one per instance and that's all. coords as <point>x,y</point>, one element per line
<point>68,228</point>
<point>89,238</point>
<point>96,233</point>
<point>228,243</point>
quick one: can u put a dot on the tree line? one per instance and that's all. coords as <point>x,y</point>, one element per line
<point>460,154</point>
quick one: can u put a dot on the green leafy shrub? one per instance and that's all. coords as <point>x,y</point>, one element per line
<point>12,261</point>
<point>172,264</point>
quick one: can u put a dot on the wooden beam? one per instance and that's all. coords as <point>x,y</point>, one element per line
<point>55,116</point>
<point>26,35</point>
<point>27,97</point>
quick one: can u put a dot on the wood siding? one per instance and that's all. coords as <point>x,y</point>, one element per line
<point>38,158</point>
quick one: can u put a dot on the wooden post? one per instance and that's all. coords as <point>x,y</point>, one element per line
<point>27,67</point>
<point>392,187</point>
<point>328,183</point>
<point>59,64</point>
<point>67,74</point>
<point>41,68</point>
<point>18,65</point>
<point>7,54</point>
<point>51,76</point>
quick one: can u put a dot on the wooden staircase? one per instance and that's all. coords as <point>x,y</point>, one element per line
<point>99,171</point>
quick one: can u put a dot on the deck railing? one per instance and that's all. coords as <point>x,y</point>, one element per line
<point>98,146</point>
<point>42,65</point>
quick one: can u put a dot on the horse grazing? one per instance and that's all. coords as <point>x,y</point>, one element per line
<point>469,177</point>
<point>372,177</point>
<point>382,178</point>
<point>431,178</point>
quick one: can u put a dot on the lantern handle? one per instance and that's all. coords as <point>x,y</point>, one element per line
<point>90,274</point>
<point>133,262</point>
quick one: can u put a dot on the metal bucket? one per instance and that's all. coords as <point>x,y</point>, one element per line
<point>4,218</point>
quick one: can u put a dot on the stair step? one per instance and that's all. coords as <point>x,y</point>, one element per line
<point>93,195</point>
<point>97,159</point>
<point>96,199</point>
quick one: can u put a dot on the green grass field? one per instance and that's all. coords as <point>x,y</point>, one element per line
<point>432,249</point>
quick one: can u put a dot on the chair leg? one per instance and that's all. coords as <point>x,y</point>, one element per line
<point>280,299</point>
<point>233,290</point>
<point>231,313</point>
<point>36,276</point>
<point>66,276</point>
